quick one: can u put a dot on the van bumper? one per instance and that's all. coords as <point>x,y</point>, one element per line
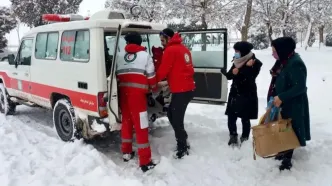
<point>92,126</point>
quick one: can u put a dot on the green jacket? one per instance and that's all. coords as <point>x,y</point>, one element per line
<point>291,88</point>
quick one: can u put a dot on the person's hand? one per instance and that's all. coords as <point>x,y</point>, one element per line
<point>223,71</point>
<point>162,84</point>
<point>277,102</point>
<point>165,88</point>
<point>250,63</point>
<point>235,71</point>
<point>155,95</point>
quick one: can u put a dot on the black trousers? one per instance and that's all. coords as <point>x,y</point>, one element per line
<point>232,126</point>
<point>287,154</point>
<point>175,114</point>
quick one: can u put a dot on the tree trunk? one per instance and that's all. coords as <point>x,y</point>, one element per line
<point>18,31</point>
<point>284,21</point>
<point>269,31</point>
<point>245,26</point>
<point>321,34</point>
<point>204,27</point>
<point>151,14</point>
<point>307,37</point>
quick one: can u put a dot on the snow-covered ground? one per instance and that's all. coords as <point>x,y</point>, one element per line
<point>31,154</point>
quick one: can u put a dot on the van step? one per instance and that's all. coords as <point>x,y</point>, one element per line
<point>23,102</point>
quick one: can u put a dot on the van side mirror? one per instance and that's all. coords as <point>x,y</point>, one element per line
<point>11,59</point>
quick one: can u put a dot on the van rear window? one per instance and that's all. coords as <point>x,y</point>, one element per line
<point>75,46</point>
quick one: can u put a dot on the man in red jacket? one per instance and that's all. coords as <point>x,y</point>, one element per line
<point>136,74</point>
<point>177,67</point>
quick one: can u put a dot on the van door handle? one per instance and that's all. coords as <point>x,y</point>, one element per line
<point>14,73</point>
<point>26,74</point>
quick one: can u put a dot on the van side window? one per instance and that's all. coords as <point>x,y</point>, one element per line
<point>75,46</point>
<point>25,52</point>
<point>47,45</point>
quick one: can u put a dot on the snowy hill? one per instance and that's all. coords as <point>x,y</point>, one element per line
<point>31,154</point>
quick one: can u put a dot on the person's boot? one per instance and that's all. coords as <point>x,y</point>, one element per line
<point>180,153</point>
<point>148,166</point>
<point>286,164</point>
<point>243,139</point>
<point>128,156</point>
<point>233,140</point>
<point>188,145</point>
<point>279,157</point>
<point>182,150</point>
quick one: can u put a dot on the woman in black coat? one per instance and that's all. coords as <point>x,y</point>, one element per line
<point>242,99</point>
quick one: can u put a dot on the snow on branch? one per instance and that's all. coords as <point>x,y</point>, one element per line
<point>7,23</point>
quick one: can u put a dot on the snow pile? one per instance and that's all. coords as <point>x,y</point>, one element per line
<point>29,157</point>
<point>30,153</point>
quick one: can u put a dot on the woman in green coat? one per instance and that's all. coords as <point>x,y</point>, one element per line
<point>289,89</point>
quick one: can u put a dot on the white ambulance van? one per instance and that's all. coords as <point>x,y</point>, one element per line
<point>69,66</point>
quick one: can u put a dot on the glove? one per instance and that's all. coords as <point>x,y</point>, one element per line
<point>223,71</point>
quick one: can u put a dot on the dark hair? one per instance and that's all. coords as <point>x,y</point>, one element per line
<point>133,38</point>
<point>284,46</point>
<point>167,32</point>
<point>244,47</point>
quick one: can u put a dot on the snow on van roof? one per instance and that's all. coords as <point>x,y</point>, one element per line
<point>95,23</point>
<point>108,14</point>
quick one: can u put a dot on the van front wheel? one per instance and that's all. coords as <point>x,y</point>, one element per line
<point>64,120</point>
<point>7,107</point>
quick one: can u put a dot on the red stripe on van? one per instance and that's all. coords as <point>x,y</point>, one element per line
<point>78,99</point>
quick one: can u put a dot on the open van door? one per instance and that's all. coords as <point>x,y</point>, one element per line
<point>114,115</point>
<point>209,54</point>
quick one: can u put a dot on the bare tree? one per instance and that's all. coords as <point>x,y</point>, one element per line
<point>208,13</point>
<point>266,11</point>
<point>150,10</point>
<point>280,16</point>
<point>7,23</point>
<point>318,15</point>
<point>245,26</point>
<point>30,11</point>
<point>287,9</point>
<point>323,16</point>
<point>18,30</point>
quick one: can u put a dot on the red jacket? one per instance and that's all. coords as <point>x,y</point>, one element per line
<point>135,70</point>
<point>177,66</point>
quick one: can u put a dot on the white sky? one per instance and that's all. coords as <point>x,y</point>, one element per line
<point>87,5</point>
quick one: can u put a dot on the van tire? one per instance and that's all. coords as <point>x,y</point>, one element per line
<point>64,120</point>
<point>7,107</point>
